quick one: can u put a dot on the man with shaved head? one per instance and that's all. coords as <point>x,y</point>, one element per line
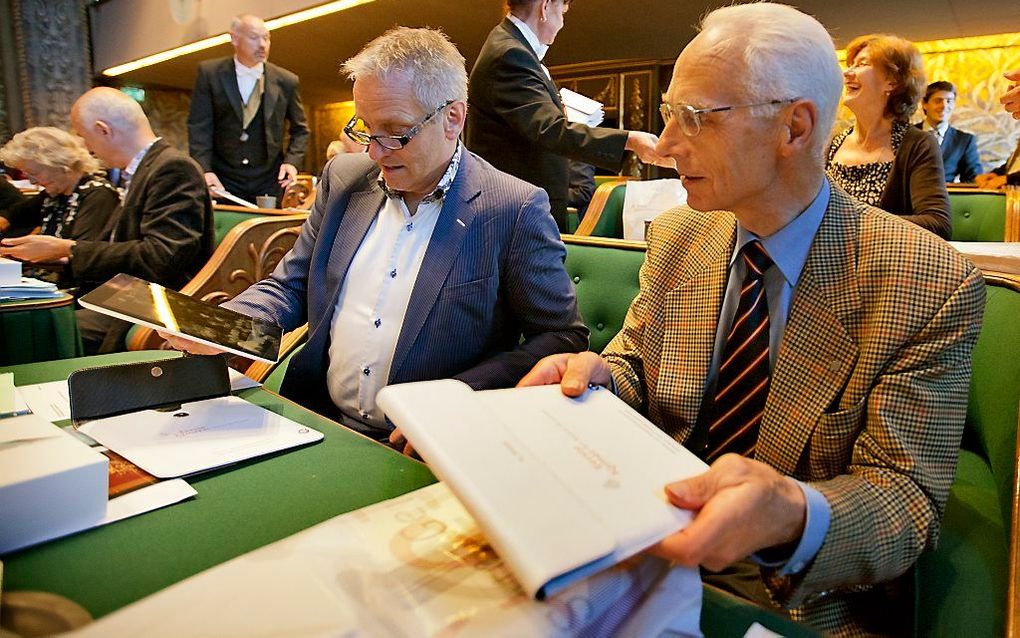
<point>815,351</point>
<point>163,230</point>
<point>239,109</point>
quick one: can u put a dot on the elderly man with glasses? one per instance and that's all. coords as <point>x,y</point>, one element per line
<point>419,260</point>
<point>814,350</point>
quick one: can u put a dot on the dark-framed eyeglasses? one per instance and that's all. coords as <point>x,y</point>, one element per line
<point>358,131</point>
<point>689,117</point>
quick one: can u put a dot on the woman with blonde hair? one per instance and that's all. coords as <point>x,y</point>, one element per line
<point>881,160</point>
<point>75,203</point>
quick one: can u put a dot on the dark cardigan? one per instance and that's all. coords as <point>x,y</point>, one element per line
<point>916,187</point>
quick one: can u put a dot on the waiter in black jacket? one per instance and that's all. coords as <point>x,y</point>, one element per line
<point>515,118</point>
<point>238,111</point>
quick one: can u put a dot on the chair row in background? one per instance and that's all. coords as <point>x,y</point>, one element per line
<point>978,215</point>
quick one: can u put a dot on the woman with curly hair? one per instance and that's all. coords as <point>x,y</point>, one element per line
<point>881,160</point>
<point>76,201</point>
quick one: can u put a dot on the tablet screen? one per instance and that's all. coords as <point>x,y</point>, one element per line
<point>155,306</point>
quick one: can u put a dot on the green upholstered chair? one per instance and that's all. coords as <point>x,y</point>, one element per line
<point>605,274</point>
<point>978,215</point>
<point>604,217</point>
<point>966,586</point>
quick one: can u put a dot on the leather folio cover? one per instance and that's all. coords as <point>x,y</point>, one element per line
<point>97,393</point>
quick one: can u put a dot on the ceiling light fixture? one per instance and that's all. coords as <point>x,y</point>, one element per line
<point>276,23</point>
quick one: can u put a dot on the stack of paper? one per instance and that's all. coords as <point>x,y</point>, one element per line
<point>581,109</point>
<point>29,288</point>
<point>10,272</point>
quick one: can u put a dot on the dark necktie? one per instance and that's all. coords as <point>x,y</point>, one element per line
<point>742,383</point>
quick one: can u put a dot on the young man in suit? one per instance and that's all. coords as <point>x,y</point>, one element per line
<point>163,229</point>
<point>959,149</point>
<point>419,259</point>
<point>813,349</point>
<point>239,108</point>
<point>516,120</point>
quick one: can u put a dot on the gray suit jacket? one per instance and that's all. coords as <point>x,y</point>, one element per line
<point>492,296</point>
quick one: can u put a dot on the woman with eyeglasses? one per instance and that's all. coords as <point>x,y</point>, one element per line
<point>76,202</point>
<point>881,160</point>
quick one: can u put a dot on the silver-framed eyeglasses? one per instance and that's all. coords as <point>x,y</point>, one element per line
<point>358,131</point>
<point>689,117</point>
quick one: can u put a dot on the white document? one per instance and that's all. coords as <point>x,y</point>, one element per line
<point>647,199</point>
<point>221,192</point>
<point>562,487</point>
<point>416,565</point>
<point>199,436</point>
<point>581,109</point>
<point>146,499</point>
<point>48,400</point>
<point>238,381</point>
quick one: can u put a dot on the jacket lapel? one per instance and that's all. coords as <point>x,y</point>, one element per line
<point>817,354</point>
<point>131,198</point>
<point>690,318</point>
<point>451,228</point>
<point>270,94</point>
<point>516,34</point>
<point>362,208</point>
<point>228,78</point>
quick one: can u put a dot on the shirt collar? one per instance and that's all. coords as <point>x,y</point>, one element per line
<point>942,127</point>
<point>132,166</point>
<point>441,188</point>
<point>254,72</point>
<point>789,245</point>
<point>529,35</point>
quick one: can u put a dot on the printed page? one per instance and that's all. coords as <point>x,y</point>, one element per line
<point>556,483</point>
<point>416,565</point>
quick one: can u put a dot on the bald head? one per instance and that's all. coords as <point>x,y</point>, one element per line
<point>112,124</point>
<point>250,38</point>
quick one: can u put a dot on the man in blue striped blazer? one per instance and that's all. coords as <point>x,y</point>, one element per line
<point>419,260</point>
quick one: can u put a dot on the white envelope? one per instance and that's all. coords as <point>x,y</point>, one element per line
<point>199,436</point>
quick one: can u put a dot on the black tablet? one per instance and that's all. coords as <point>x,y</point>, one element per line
<point>147,304</point>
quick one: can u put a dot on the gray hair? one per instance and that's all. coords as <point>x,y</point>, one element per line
<point>50,147</point>
<point>433,63</point>
<point>114,107</point>
<point>787,54</point>
<point>238,20</point>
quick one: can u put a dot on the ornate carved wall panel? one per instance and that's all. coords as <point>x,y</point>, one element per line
<point>53,57</point>
<point>167,110</point>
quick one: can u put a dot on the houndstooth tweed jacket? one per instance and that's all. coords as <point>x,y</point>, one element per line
<point>868,394</point>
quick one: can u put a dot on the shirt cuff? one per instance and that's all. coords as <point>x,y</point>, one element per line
<point>816,526</point>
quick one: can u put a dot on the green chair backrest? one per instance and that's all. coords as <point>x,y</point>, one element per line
<point>275,378</point>
<point>994,401</point>
<point>225,220</point>
<point>978,216</point>
<point>605,274</point>
<point>610,223</point>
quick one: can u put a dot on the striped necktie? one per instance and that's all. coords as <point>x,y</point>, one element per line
<point>742,383</point>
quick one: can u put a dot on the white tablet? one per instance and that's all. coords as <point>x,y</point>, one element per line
<point>147,304</point>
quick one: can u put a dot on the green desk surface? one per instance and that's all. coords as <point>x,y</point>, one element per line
<point>28,335</point>
<point>244,507</point>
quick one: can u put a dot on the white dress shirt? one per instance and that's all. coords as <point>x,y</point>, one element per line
<point>247,78</point>
<point>372,302</point>
<point>939,131</point>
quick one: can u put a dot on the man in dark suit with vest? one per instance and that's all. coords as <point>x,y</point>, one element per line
<point>238,110</point>
<point>516,119</point>
<point>959,149</point>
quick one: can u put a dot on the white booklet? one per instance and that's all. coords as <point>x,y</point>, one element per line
<point>563,488</point>
<point>581,108</point>
<point>199,436</point>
